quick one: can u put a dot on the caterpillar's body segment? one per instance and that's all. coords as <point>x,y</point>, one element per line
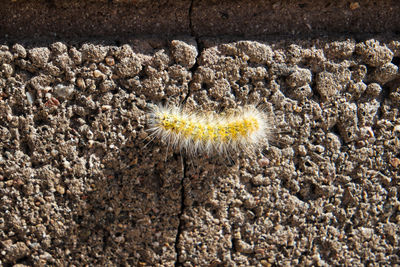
<point>209,133</point>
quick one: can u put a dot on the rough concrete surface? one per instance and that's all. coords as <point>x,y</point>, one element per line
<point>111,19</point>
<point>82,183</point>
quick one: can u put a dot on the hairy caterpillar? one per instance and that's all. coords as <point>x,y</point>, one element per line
<point>210,133</point>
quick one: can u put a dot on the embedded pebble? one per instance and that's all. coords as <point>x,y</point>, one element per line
<point>340,49</point>
<point>7,70</point>
<point>5,57</point>
<point>128,67</point>
<point>110,61</point>
<point>58,48</point>
<point>367,112</point>
<point>356,89</point>
<point>373,53</point>
<point>299,77</point>
<point>373,89</point>
<point>358,73</point>
<point>327,85</point>
<point>39,56</point>
<point>19,51</point>
<point>93,53</point>
<point>385,73</point>
<point>348,121</point>
<point>258,52</point>
<point>184,54</point>
<point>29,97</point>
<point>63,91</point>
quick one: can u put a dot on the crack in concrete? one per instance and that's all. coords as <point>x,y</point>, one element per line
<point>180,226</point>
<point>184,161</point>
<point>199,49</point>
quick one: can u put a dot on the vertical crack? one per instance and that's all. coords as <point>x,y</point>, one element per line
<point>192,70</point>
<point>184,164</point>
<point>199,49</point>
<point>180,226</point>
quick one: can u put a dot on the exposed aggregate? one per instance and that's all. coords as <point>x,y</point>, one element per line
<point>80,182</point>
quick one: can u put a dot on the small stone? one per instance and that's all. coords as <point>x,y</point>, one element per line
<point>129,67</point>
<point>93,53</point>
<point>358,73</point>
<point>63,91</point>
<point>348,122</point>
<point>76,56</point>
<point>60,189</point>
<point>39,56</point>
<point>107,85</point>
<point>110,61</point>
<point>58,48</point>
<point>184,54</point>
<point>124,52</point>
<point>299,77</point>
<point>326,85</point>
<point>373,89</point>
<point>5,57</point>
<point>354,5</point>
<point>385,73</point>
<point>367,233</point>
<point>105,107</point>
<point>7,70</point>
<point>29,97</point>
<point>395,162</point>
<point>19,51</point>
<point>243,247</point>
<point>97,74</point>
<point>301,150</point>
<point>340,49</point>
<point>80,82</point>
<point>356,89</point>
<point>263,162</point>
<point>258,180</point>
<point>257,52</point>
<point>373,53</point>
<point>265,263</point>
<point>367,112</point>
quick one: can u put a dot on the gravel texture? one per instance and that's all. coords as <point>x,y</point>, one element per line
<point>82,182</point>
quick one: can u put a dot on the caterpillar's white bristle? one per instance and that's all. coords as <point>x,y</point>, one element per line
<point>194,132</point>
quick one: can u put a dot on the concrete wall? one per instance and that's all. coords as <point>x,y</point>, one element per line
<point>82,182</point>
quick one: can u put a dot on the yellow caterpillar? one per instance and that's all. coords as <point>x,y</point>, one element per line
<point>210,133</point>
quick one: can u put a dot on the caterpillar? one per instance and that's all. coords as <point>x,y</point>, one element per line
<point>240,130</point>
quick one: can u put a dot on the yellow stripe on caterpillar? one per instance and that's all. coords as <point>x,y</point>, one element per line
<point>241,130</point>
